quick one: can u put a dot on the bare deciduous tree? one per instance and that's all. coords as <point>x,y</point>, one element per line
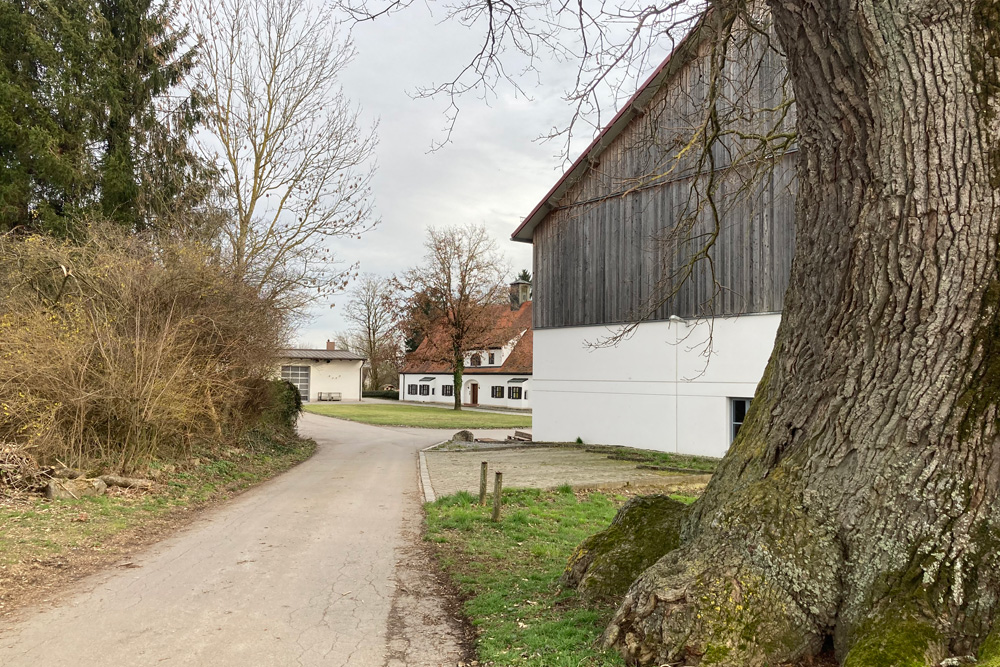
<point>457,289</point>
<point>371,312</point>
<point>295,160</point>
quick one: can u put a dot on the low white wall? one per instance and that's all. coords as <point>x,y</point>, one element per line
<point>485,381</point>
<point>656,390</point>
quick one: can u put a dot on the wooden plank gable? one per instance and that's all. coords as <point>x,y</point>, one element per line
<point>607,250</point>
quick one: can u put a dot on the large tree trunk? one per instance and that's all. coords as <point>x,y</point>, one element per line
<point>859,502</point>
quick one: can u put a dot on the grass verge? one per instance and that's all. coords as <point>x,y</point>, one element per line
<point>420,416</point>
<point>45,544</point>
<point>509,572</point>
<point>655,459</point>
<point>644,458</point>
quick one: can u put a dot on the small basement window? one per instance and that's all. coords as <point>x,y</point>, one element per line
<point>738,413</point>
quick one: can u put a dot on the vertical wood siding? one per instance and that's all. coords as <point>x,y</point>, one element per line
<point>613,249</point>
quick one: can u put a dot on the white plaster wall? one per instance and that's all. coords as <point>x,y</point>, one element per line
<point>656,390</point>
<point>486,381</point>
<point>407,379</point>
<point>331,376</point>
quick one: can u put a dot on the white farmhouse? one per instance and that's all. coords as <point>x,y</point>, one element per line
<point>620,221</point>
<point>496,376</point>
<point>323,375</point>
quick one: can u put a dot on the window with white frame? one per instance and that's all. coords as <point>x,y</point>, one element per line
<point>447,390</point>
<point>737,414</point>
<point>411,389</point>
<point>514,393</point>
<point>492,358</point>
<point>425,390</point>
<point>497,391</point>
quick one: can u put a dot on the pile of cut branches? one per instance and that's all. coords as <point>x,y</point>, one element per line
<point>18,470</point>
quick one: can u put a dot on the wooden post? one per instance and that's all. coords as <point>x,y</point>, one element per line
<point>497,491</point>
<point>482,483</point>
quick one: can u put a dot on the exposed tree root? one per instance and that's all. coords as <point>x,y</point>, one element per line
<point>643,530</point>
<point>901,637</point>
<point>759,588</point>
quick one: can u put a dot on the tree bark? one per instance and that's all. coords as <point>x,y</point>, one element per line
<point>859,502</point>
<point>457,378</point>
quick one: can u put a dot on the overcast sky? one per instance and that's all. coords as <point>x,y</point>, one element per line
<point>492,172</point>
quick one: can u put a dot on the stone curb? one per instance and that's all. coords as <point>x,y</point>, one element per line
<point>425,477</point>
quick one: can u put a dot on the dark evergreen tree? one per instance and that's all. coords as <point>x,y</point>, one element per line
<point>147,119</point>
<point>48,103</point>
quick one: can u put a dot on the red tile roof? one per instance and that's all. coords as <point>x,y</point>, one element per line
<point>432,356</point>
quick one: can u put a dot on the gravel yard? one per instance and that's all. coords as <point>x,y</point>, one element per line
<point>546,467</point>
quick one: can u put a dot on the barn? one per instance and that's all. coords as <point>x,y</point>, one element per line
<point>690,237</point>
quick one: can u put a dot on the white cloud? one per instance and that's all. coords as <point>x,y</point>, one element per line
<point>492,172</point>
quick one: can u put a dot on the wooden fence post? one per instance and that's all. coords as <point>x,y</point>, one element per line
<point>482,483</point>
<point>497,491</point>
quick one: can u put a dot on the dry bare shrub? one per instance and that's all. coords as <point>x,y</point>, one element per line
<point>121,350</point>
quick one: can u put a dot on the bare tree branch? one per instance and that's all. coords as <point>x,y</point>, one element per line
<point>295,160</point>
<point>453,296</point>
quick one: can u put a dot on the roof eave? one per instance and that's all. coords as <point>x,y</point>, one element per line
<point>634,107</point>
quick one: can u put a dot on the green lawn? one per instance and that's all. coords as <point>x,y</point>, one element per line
<point>420,416</point>
<point>509,573</point>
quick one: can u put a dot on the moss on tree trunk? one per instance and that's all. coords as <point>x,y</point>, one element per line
<point>859,502</point>
<point>643,530</point>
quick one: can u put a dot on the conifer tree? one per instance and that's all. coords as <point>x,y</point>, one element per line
<point>47,108</point>
<point>146,118</point>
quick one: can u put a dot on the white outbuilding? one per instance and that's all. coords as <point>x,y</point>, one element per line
<point>323,375</point>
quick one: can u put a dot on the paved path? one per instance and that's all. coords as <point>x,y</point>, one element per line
<point>300,571</point>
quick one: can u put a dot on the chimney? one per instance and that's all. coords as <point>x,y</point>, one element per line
<point>520,293</point>
<point>330,345</point>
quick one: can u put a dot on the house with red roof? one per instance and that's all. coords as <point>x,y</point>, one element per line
<point>497,371</point>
